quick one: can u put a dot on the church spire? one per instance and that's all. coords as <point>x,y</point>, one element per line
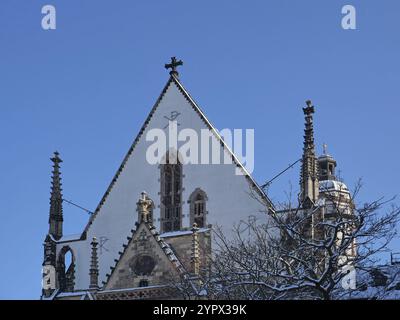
<point>173,65</point>
<point>56,210</point>
<point>309,186</point>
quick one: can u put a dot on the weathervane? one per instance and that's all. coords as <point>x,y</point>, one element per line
<point>174,63</point>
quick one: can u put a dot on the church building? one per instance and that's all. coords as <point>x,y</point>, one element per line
<point>154,223</point>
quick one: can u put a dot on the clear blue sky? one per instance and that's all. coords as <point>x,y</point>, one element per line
<point>85,88</point>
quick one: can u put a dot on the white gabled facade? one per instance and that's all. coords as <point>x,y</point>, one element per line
<point>230,197</point>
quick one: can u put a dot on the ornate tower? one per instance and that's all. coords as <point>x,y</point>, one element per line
<point>56,210</point>
<point>309,186</point>
<point>327,166</point>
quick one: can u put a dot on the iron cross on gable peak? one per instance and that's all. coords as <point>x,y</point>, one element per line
<point>174,63</point>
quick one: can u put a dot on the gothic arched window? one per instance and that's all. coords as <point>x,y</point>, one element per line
<point>66,269</point>
<point>198,210</point>
<point>171,190</point>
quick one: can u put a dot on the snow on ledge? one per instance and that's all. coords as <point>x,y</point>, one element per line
<point>71,237</point>
<point>181,233</point>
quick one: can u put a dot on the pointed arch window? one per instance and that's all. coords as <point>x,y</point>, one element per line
<point>198,208</point>
<point>66,269</point>
<point>171,192</point>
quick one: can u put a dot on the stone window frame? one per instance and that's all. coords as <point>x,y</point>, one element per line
<point>179,192</point>
<point>192,202</point>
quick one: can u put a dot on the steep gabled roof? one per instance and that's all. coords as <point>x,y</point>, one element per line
<point>174,79</point>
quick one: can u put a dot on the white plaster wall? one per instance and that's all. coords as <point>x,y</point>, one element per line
<point>229,198</point>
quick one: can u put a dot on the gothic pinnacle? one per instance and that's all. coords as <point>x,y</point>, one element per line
<point>195,257</point>
<point>309,186</point>
<point>94,266</point>
<point>56,210</point>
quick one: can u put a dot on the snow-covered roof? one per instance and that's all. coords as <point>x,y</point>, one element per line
<point>181,233</point>
<point>332,185</point>
<point>381,283</point>
<point>67,238</point>
<point>70,237</point>
<point>133,289</point>
<point>52,296</point>
<point>71,294</point>
<point>325,156</point>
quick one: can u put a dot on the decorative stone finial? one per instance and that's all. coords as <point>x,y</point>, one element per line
<point>309,186</point>
<point>195,258</point>
<point>94,266</point>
